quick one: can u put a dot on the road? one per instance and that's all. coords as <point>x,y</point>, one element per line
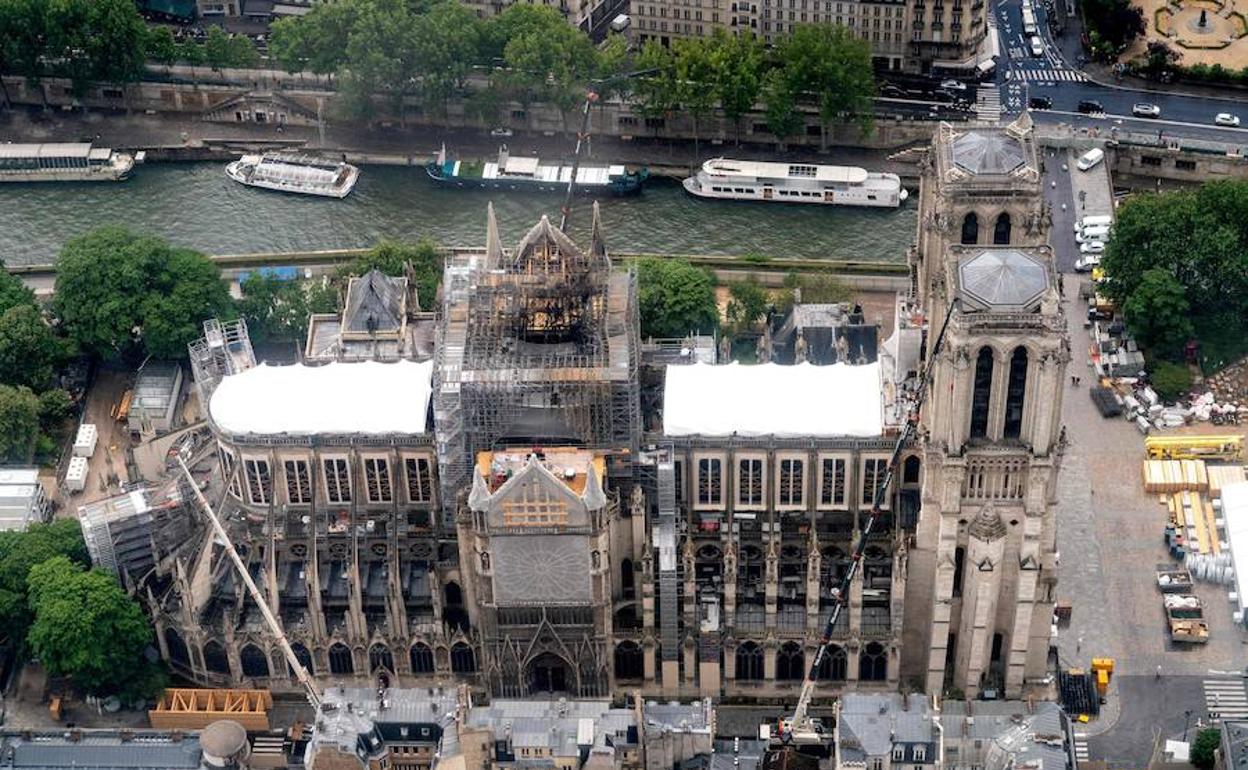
<point>1020,76</point>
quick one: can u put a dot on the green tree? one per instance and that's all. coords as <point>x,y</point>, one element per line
<point>242,52</point>
<point>19,551</point>
<point>30,353</point>
<point>394,258</point>
<point>192,53</point>
<point>695,80</point>
<point>550,62</point>
<point>1158,313</point>
<point>23,39</point>
<point>1205,747</point>
<point>737,61</point>
<point>19,423</point>
<point>55,406</point>
<point>445,44</point>
<point>657,92</point>
<point>1171,381</point>
<point>278,309</point>
<point>829,65</point>
<point>1159,58</point>
<point>160,45</point>
<point>316,41</point>
<point>783,118</point>
<point>381,56</point>
<point>94,40</point>
<point>12,291</point>
<point>747,303</point>
<point>1112,25</point>
<point>217,48</point>
<point>675,298</point>
<point>121,293</point>
<point>85,626</point>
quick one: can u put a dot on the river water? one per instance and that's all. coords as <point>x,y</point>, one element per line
<point>195,205</point>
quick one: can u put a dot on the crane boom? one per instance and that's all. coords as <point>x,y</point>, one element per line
<point>314,695</point>
<point>800,728</point>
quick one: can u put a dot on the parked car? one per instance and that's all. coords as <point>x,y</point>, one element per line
<point>1040,103</point>
<point>1092,247</point>
<point>1092,234</point>
<point>1093,220</point>
<point>1087,263</point>
<point>501,133</point>
<point>1090,158</point>
<point>1091,107</point>
<point>1145,110</point>
<point>1226,119</point>
<point>953,85</point>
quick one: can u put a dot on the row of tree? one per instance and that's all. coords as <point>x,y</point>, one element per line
<point>529,53</point>
<point>102,41</point>
<point>1112,26</point>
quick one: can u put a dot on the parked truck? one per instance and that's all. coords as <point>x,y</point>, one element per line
<point>1173,580</point>
<point>1185,616</point>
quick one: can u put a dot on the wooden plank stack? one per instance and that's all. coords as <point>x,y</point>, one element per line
<point>1223,475</point>
<point>1192,514</point>
<point>1169,476</point>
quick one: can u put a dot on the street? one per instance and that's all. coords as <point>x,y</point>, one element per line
<point>1020,76</point>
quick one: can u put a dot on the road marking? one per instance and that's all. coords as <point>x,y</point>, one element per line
<point>1225,698</point>
<point>1148,121</point>
<point>1081,748</point>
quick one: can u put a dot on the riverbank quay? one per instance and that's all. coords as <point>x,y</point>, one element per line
<point>176,137</point>
<point>770,272</point>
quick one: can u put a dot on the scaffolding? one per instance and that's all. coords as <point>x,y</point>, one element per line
<point>536,346</point>
<point>224,349</point>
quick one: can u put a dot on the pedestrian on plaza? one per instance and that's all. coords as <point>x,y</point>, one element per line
<point>1159,672</point>
<point>1078,645</point>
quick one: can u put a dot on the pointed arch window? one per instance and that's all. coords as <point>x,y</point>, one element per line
<point>970,228</point>
<point>981,395</point>
<point>1001,230</point>
<point>1016,393</point>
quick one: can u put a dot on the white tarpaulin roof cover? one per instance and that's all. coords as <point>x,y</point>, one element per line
<point>364,397</point>
<point>773,400</point>
<point>1235,513</point>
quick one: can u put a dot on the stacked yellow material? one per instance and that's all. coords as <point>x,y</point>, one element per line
<point>1223,475</point>
<point>1192,514</point>
<point>1166,476</point>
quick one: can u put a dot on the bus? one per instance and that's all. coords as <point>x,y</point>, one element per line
<point>1029,21</point>
<point>1195,448</point>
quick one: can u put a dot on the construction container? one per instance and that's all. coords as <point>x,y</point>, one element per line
<point>84,444</point>
<point>76,476</point>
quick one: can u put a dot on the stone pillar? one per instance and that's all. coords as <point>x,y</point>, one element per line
<point>996,401</point>
<point>771,578</point>
<point>980,595</point>
<point>942,599</point>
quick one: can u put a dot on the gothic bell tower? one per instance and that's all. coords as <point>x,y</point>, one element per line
<point>982,573</point>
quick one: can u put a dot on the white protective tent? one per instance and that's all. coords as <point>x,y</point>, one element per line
<point>364,397</point>
<point>1235,514</point>
<point>773,400</point>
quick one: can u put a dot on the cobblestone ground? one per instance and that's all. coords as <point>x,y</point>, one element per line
<point>1110,539</point>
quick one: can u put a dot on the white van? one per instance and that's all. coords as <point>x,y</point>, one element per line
<point>621,22</point>
<point>1037,48</point>
<point>1090,158</point>
<point>1095,220</point>
<point>1098,233</point>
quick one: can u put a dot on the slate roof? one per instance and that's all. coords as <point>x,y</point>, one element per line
<point>1002,279</point>
<point>1235,744</point>
<point>375,304</point>
<point>1020,737</point>
<point>993,153</point>
<point>99,750</point>
<point>876,722</point>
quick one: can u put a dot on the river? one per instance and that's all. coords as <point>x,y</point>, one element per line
<point>195,205</point>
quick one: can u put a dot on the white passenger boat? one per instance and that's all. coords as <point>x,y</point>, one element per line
<point>64,162</point>
<point>295,173</point>
<point>748,180</point>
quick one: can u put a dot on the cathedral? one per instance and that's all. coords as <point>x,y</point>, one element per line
<point>519,494</point>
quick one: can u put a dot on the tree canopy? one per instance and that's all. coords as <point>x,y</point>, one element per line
<point>12,291</point>
<point>19,423</point>
<point>19,551</point>
<point>278,309</point>
<point>30,353</point>
<point>830,66</point>
<point>675,298</point>
<point>121,293</point>
<point>1204,748</point>
<point>747,303</point>
<point>85,626</point>
<point>1177,262</point>
<point>84,40</point>
<point>1112,26</point>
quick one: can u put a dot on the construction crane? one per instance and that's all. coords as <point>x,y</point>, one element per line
<point>309,686</point>
<point>582,138</point>
<point>800,729</point>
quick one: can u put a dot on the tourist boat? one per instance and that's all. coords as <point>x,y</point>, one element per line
<point>512,172</point>
<point>64,162</point>
<point>748,180</point>
<point>296,173</point>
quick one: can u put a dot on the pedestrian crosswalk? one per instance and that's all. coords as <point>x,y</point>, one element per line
<point>1226,699</point>
<point>1049,75</point>
<point>1081,748</point>
<point>988,103</point>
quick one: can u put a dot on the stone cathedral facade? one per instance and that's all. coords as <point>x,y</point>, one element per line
<point>517,493</point>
